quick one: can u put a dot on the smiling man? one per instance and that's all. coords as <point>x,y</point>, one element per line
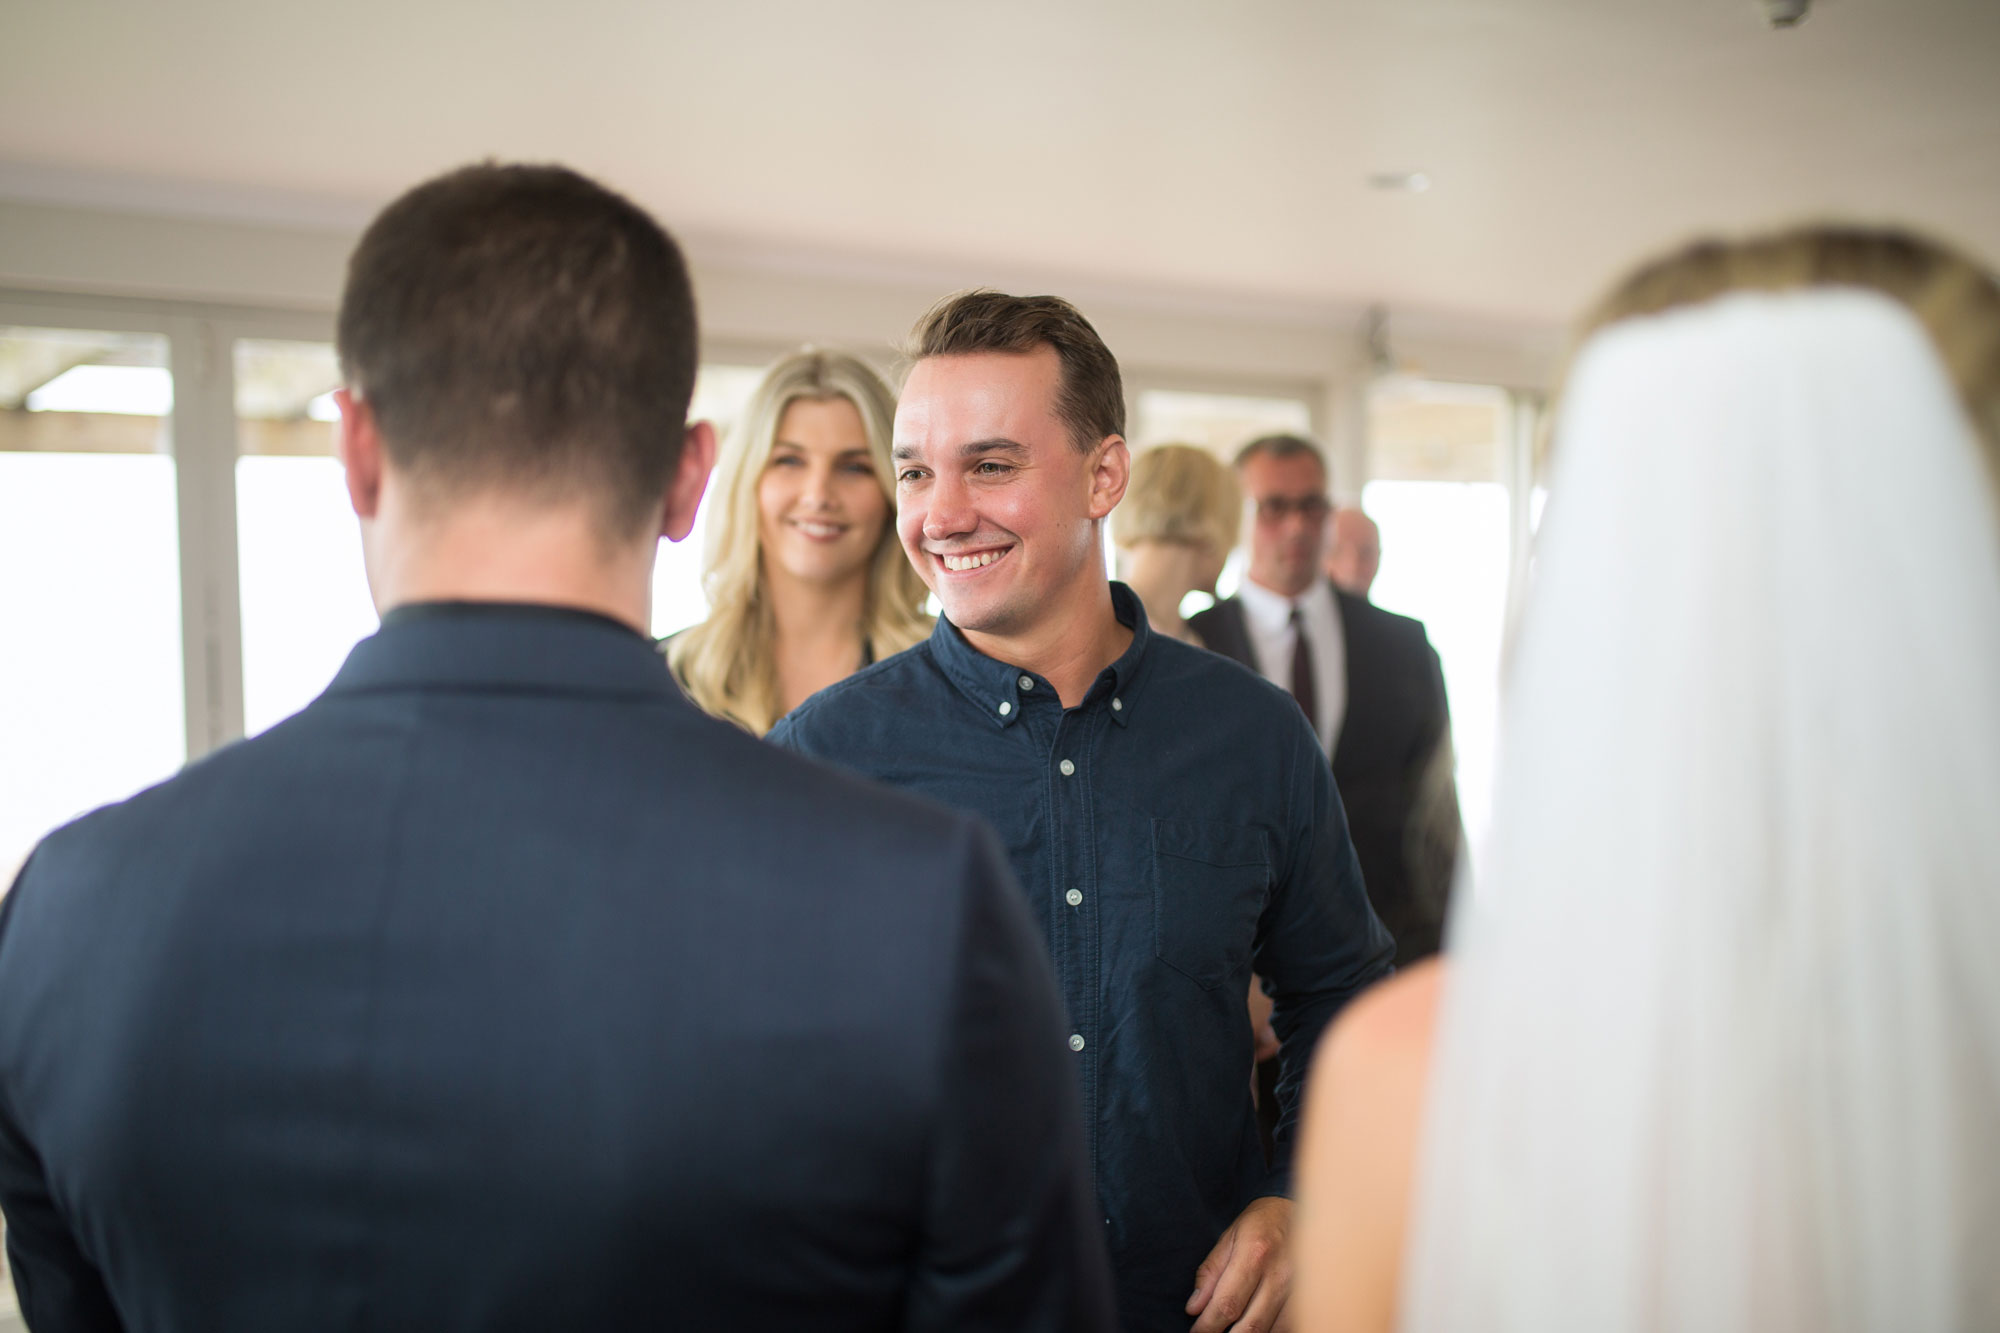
<point>1169,814</point>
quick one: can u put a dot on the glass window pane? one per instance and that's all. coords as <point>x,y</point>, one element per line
<point>1437,455</point>
<point>1219,421</point>
<point>720,391</point>
<point>305,593</point>
<point>90,603</point>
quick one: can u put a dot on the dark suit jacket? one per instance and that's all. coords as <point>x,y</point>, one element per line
<point>1387,765</point>
<point>502,989</point>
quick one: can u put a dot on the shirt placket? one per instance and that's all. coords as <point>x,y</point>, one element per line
<point>1074,884</point>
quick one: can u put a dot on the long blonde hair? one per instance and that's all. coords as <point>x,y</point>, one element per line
<point>728,663</point>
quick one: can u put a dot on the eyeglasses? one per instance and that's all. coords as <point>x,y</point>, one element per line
<point>1277,508</point>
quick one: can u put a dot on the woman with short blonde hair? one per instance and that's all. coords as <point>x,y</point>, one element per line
<point>805,577</point>
<point>1178,522</point>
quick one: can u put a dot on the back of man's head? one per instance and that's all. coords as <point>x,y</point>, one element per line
<point>521,328</point>
<point>1091,402</point>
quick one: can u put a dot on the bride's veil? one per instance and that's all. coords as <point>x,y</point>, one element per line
<point>1720,1040</point>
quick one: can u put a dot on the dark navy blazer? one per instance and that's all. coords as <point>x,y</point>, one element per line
<point>502,989</point>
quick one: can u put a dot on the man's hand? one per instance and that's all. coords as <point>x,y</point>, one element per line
<point>1244,1283</point>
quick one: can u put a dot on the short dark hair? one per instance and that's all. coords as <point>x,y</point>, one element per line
<point>1284,446</point>
<point>523,326</point>
<point>1091,402</point>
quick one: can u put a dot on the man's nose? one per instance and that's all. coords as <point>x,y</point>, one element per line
<point>948,509</point>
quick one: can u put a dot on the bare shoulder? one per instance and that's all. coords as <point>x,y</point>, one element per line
<point>1357,1154</point>
<point>1386,1025</point>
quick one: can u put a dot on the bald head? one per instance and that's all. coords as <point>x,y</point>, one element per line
<point>1353,551</point>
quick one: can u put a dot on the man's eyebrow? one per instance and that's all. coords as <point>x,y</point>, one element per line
<point>904,453</point>
<point>980,448</point>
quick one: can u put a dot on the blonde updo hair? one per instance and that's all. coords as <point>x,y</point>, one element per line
<point>1955,298</point>
<point>1179,493</point>
<point>728,664</point>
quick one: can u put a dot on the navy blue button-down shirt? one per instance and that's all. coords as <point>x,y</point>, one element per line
<point>1173,831</point>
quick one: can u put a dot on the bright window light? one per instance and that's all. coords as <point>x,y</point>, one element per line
<point>138,391</point>
<point>322,408</point>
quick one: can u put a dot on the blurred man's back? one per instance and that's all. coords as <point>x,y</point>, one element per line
<point>501,988</point>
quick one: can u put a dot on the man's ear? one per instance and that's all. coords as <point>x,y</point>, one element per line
<point>359,445</point>
<point>1109,473</point>
<point>690,480</point>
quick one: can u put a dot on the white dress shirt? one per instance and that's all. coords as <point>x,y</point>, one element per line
<point>1268,616</point>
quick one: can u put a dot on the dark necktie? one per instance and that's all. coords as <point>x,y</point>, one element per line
<point>1302,672</point>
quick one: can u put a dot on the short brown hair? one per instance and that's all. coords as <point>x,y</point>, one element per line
<point>523,326</point>
<point>1284,446</point>
<point>1091,402</point>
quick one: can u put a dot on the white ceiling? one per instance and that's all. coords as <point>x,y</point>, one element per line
<point>1153,145</point>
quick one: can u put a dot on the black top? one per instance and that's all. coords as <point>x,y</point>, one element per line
<point>1175,829</point>
<point>502,989</point>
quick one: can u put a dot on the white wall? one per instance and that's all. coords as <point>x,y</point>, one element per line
<point>756,304</point>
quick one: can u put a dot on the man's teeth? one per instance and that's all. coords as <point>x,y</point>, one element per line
<point>980,561</point>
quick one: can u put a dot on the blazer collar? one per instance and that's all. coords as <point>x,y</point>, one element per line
<point>505,646</point>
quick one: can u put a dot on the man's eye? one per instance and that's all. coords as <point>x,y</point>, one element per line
<point>908,475</point>
<point>992,469</point>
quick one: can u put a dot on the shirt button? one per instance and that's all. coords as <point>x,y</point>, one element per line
<point>1076,1041</point>
<point>1027,682</point>
<point>1006,708</point>
<point>1067,768</point>
<point>1073,897</point>
<point>1117,705</point>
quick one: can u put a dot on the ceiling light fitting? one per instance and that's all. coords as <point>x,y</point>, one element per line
<point>1785,13</point>
<point>1400,182</point>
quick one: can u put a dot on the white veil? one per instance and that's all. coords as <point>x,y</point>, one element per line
<point>1719,1045</point>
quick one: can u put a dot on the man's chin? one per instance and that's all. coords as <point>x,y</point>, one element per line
<point>981,615</point>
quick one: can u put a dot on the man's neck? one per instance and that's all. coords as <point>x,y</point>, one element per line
<point>493,550</point>
<point>1268,586</point>
<point>1069,649</point>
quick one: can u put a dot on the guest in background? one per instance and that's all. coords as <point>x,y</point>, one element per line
<point>1176,526</point>
<point>1353,551</point>
<point>1369,682</point>
<point>1718,1044</point>
<point>805,579</point>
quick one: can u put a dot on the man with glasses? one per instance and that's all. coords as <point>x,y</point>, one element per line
<point>1368,681</point>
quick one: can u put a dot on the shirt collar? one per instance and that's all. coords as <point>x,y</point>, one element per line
<point>1000,689</point>
<point>1269,611</point>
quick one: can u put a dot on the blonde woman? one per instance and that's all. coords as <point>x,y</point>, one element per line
<point>1176,525</point>
<point>1717,1046</point>
<point>805,578</point>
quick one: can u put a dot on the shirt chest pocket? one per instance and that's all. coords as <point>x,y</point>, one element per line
<point>1209,884</point>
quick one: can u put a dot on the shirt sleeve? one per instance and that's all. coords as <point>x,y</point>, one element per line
<point>1319,944</point>
<point>1012,1237</point>
<point>59,1289</point>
